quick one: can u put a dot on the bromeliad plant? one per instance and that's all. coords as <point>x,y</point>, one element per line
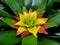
<point>31,22</point>
<point>29,19</point>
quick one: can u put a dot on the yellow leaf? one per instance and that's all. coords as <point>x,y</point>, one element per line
<point>21,23</point>
<point>34,30</point>
<point>40,21</point>
<point>34,14</point>
<point>25,13</point>
<point>21,17</point>
<point>20,30</point>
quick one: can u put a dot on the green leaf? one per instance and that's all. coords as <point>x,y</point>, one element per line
<point>42,6</point>
<point>8,21</point>
<point>58,34</point>
<point>24,9</point>
<point>57,37</point>
<point>27,3</point>
<point>36,3</point>
<point>5,14</point>
<point>45,41</point>
<point>50,4</point>
<point>29,40</point>
<point>13,5</point>
<point>8,38</point>
<point>54,21</point>
<point>49,25</point>
<point>57,1</point>
<point>1,7</point>
<point>3,2</point>
<point>2,24</point>
<point>52,14</point>
<point>20,2</point>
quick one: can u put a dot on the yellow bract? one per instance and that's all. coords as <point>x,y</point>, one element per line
<point>20,23</point>
<point>20,30</point>
<point>40,21</point>
<point>34,30</point>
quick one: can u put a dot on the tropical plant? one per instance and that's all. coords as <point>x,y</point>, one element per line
<point>34,19</point>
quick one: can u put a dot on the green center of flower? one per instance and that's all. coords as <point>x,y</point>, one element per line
<point>29,21</point>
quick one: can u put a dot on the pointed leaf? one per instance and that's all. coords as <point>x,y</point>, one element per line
<point>5,14</point>
<point>36,3</point>
<point>13,5</point>
<point>8,21</point>
<point>54,21</point>
<point>27,3</point>
<point>49,25</point>
<point>20,2</point>
<point>42,6</point>
<point>50,4</point>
